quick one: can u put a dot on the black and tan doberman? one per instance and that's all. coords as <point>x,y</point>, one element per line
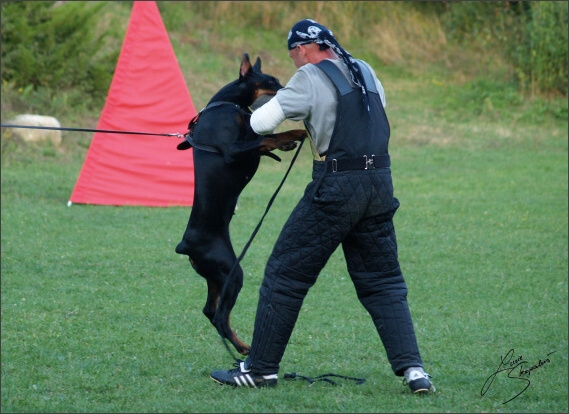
<point>227,153</point>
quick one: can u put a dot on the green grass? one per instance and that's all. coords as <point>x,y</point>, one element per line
<point>100,315</point>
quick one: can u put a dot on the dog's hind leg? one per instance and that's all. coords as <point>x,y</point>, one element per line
<point>223,288</point>
<point>239,345</point>
<point>227,300</point>
<point>212,300</point>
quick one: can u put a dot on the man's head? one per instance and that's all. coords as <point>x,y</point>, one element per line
<point>308,31</point>
<point>306,43</point>
<point>310,42</point>
<point>310,53</point>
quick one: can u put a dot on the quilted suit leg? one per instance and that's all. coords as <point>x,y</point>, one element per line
<point>360,218</point>
<point>371,255</point>
<point>291,270</point>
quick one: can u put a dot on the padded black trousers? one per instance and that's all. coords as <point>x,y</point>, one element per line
<point>355,209</point>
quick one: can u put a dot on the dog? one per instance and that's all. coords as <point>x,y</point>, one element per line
<point>227,153</point>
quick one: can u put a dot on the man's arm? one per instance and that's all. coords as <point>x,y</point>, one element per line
<point>265,119</point>
<point>294,102</point>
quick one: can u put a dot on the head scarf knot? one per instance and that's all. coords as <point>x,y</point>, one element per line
<point>309,31</point>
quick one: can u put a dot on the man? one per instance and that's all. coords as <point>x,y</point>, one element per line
<point>349,202</point>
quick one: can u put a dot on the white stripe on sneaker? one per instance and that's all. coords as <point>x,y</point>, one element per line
<point>248,377</point>
<point>245,381</point>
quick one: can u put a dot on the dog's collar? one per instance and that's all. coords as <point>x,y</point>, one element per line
<point>219,103</point>
<point>189,141</point>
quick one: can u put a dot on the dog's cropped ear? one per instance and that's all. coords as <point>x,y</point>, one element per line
<point>245,66</point>
<point>257,65</point>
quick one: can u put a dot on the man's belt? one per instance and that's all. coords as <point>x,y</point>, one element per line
<point>358,163</point>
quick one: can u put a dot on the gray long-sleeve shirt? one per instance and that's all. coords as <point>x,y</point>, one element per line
<point>309,96</point>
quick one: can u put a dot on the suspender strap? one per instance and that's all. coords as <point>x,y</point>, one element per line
<point>368,78</point>
<point>336,75</point>
<point>354,143</point>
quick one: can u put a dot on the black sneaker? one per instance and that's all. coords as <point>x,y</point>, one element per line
<point>419,383</point>
<point>241,377</point>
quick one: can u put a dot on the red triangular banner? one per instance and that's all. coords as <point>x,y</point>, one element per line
<point>147,94</point>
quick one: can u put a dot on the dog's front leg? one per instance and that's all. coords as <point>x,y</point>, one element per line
<point>284,141</point>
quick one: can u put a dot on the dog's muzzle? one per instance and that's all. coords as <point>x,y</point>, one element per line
<point>260,101</point>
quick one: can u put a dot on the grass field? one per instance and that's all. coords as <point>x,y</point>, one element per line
<point>100,315</point>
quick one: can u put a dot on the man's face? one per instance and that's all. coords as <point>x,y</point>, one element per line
<point>298,56</point>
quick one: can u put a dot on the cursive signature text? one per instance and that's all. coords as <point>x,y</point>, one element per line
<point>517,369</point>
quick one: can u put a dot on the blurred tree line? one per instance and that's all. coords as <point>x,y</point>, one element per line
<point>532,35</point>
<point>60,45</point>
<point>54,45</point>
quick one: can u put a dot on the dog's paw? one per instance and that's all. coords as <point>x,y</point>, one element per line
<point>295,134</point>
<point>287,145</point>
<point>284,141</point>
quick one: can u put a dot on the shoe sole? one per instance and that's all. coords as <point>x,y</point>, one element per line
<point>221,383</point>
<point>424,391</point>
<point>268,384</point>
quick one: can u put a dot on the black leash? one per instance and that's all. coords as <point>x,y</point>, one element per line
<point>108,131</point>
<point>224,340</point>
<point>267,209</point>
<point>324,377</point>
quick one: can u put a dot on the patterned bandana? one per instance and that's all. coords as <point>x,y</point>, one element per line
<point>309,31</point>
